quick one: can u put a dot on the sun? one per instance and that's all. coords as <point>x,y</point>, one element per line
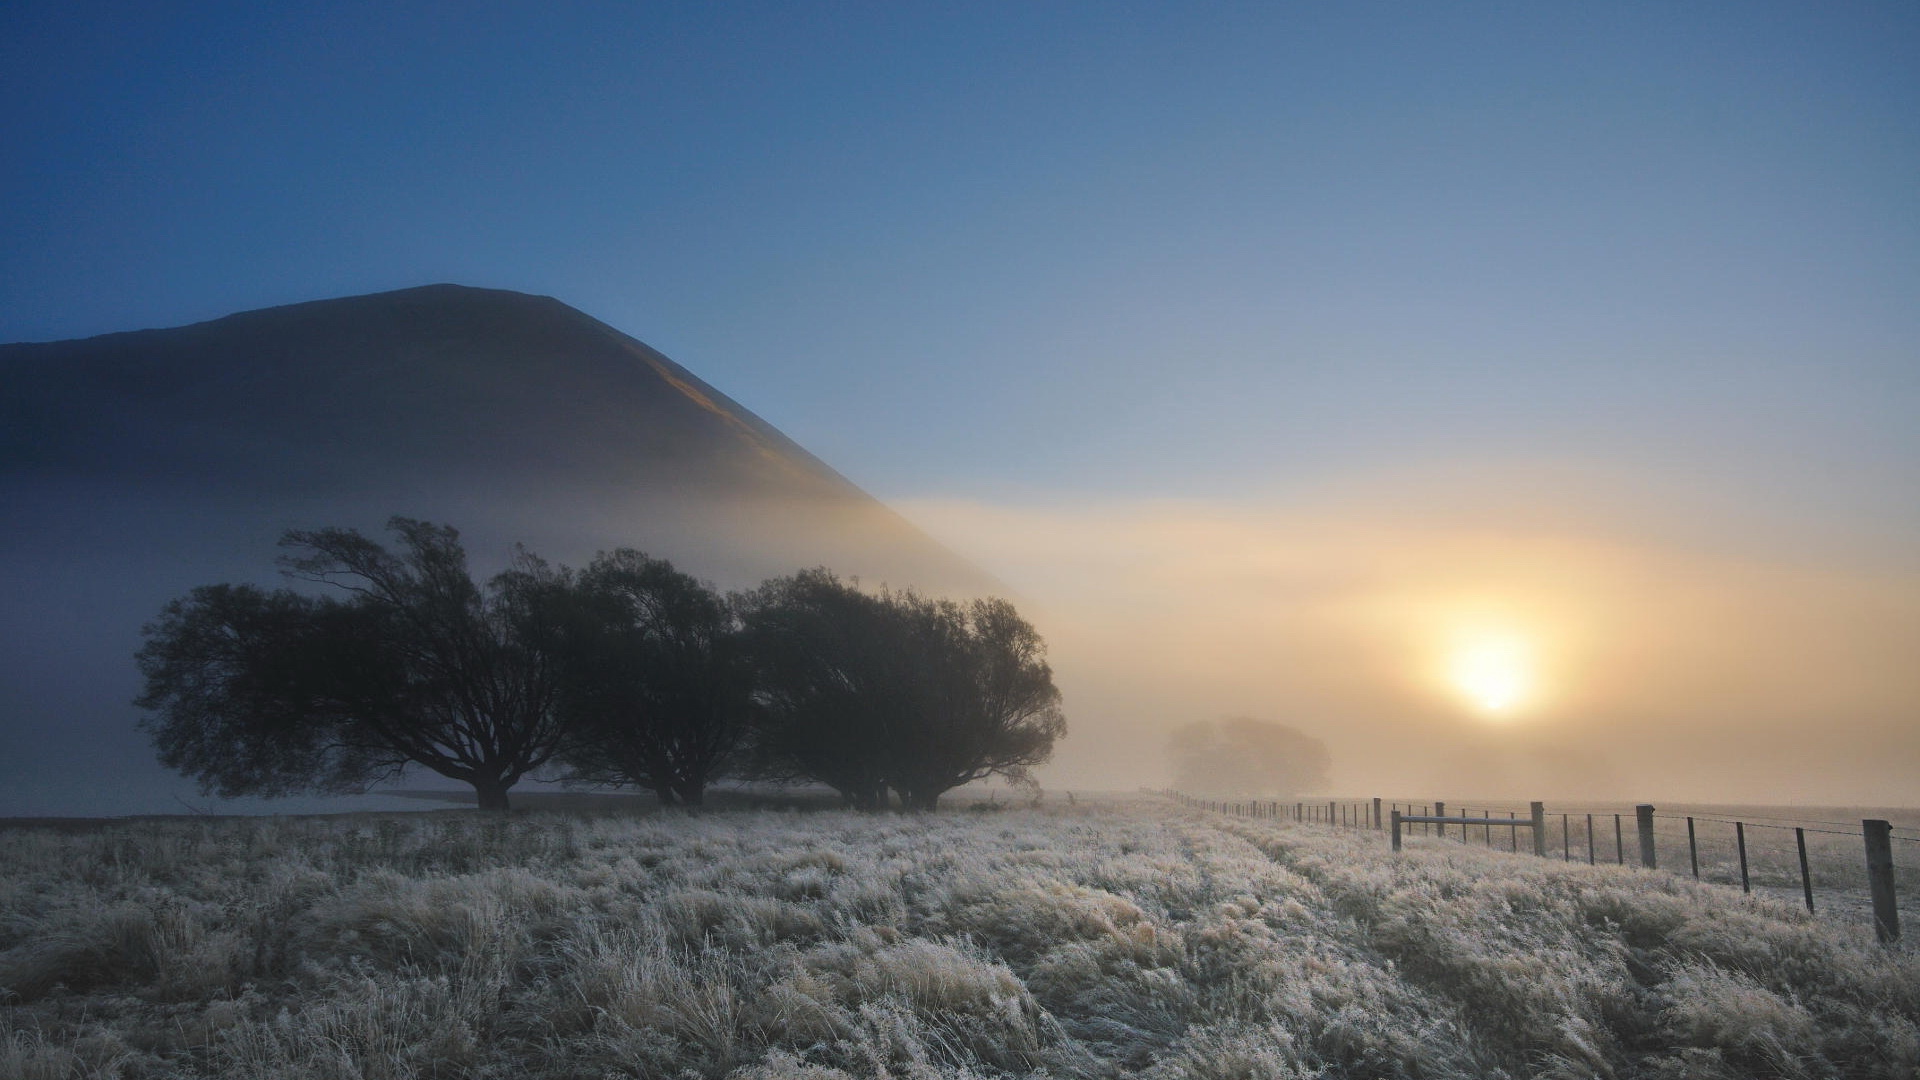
<point>1494,672</point>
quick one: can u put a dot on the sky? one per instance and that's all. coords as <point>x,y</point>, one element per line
<point>1285,360</point>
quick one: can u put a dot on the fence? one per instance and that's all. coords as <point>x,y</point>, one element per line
<point>1869,884</point>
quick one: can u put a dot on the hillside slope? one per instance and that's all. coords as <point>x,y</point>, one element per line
<point>442,388</point>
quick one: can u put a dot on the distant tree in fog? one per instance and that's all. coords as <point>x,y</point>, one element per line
<point>256,692</point>
<point>1244,756</point>
<point>870,692</point>
<point>659,690</point>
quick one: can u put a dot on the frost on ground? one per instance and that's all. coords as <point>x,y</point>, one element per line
<point>1123,939</point>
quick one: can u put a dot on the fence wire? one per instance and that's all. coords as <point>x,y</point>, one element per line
<point>1724,853</point>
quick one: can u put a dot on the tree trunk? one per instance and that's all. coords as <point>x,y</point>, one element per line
<point>692,793</point>
<point>665,794</point>
<point>492,794</point>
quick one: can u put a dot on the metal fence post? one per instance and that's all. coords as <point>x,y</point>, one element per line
<point>1693,850</point>
<point>1886,913</point>
<point>1644,812</point>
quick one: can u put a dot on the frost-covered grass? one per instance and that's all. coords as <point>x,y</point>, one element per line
<point>1101,940</point>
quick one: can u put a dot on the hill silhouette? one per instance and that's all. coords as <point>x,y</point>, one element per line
<point>137,465</point>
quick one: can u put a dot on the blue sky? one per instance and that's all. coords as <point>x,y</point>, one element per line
<point>1458,301</point>
<point>1025,249</point>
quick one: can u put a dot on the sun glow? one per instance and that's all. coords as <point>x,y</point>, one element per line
<point>1495,672</point>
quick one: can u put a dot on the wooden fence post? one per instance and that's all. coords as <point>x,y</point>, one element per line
<point>1644,813</point>
<point>1539,812</point>
<point>1396,830</point>
<point>1376,814</point>
<point>1806,875</point>
<point>1693,850</point>
<point>1440,810</point>
<point>1740,841</point>
<point>1886,913</point>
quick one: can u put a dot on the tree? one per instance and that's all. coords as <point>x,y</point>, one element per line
<point>1244,756</point>
<point>270,693</point>
<point>818,648</point>
<point>660,690</point>
<point>981,699</point>
<point>866,692</point>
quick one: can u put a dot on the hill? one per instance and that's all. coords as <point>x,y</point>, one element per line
<point>136,465</point>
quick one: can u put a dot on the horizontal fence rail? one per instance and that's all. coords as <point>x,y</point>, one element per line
<point>1651,830</point>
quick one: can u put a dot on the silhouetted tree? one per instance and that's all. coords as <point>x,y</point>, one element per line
<point>981,699</point>
<point>818,646</point>
<point>1244,756</point>
<point>659,689</point>
<point>269,693</point>
<point>868,692</point>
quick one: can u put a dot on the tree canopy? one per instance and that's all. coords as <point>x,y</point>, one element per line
<point>1244,756</point>
<point>629,673</point>
<point>269,693</point>
<point>660,689</point>
<point>868,692</point>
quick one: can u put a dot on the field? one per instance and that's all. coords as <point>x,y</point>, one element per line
<point>1113,938</point>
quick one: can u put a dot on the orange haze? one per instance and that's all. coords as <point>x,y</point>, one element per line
<point>1629,649</point>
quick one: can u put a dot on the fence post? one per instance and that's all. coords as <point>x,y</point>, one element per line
<point>1740,841</point>
<point>1440,810</point>
<point>1619,845</point>
<point>1539,812</point>
<point>1806,876</point>
<point>1886,913</point>
<point>1644,813</point>
<point>1396,830</point>
<point>1693,850</point>
<point>1590,856</point>
<point>1376,814</point>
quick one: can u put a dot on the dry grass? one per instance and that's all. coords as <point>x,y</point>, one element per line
<point>1103,940</point>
